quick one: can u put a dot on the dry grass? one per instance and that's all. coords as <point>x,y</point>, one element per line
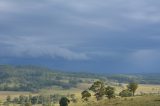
<point>149,100</point>
<point>4,94</point>
<point>130,101</point>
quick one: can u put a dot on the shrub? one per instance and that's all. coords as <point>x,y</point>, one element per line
<point>132,87</point>
<point>64,101</point>
<point>85,95</point>
<point>125,93</point>
<point>110,92</point>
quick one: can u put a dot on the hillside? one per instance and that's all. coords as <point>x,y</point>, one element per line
<point>142,78</point>
<point>33,78</point>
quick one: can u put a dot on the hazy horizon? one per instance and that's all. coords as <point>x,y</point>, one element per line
<point>103,36</point>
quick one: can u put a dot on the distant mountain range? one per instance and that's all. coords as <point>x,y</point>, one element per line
<point>33,78</point>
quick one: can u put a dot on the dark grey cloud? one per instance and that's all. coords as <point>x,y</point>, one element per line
<point>118,34</point>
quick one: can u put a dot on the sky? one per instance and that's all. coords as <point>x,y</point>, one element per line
<point>101,36</point>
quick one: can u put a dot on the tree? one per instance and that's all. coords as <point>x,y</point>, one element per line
<point>64,101</point>
<point>132,87</point>
<point>34,100</point>
<point>99,89</point>
<point>85,95</point>
<point>125,93</point>
<point>21,99</point>
<point>110,92</point>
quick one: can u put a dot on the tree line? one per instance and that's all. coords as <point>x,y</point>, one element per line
<point>101,90</point>
<point>44,100</point>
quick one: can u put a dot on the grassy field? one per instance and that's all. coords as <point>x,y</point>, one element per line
<point>142,89</point>
<point>149,99</point>
<point>56,90</point>
<point>4,94</point>
<point>131,101</point>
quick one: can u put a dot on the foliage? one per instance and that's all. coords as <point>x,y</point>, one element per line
<point>125,93</point>
<point>46,100</point>
<point>99,89</point>
<point>110,92</point>
<point>85,95</point>
<point>142,78</point>
<point>132,87</point>
<point>32,78</point>
<point>64,101</point>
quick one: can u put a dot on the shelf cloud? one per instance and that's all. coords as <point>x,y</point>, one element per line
<point>116,36</point>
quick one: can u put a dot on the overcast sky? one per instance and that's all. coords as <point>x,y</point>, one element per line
<point>82,35</point>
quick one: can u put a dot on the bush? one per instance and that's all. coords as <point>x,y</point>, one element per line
<point>85,95</point>
<point>64,101</point>
<point>110,92</point>
<point>125,93</point>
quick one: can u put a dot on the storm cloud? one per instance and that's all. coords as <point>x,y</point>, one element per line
<point>106,35</point>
